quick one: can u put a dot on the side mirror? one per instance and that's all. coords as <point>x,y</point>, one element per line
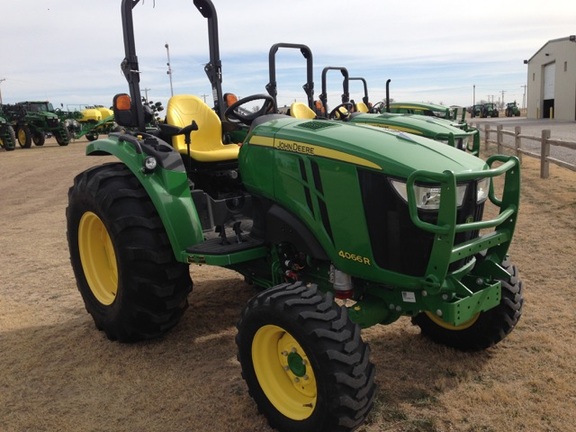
<point>123,113</point>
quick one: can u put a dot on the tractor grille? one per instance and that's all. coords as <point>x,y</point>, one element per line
<point>397,244</point>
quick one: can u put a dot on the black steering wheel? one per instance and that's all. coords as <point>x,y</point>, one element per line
<point>235,113</point>
<point>377,107</point>
<point>342,111</point>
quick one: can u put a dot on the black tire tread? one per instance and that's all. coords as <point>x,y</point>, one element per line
<point>154,285</point>
<point>343,355</point>
<point>491,327</point>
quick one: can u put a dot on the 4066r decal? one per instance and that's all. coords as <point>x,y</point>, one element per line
<point>354,257</point>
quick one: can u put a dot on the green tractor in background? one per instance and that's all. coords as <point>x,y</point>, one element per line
<point>488,109</point>
<point>360,112</point>
<point>7,134</point>
<point>512,110</point>
<point>33,121</point>
<point>454,116</point>
<point>339,227</point>
<point>454,113</point>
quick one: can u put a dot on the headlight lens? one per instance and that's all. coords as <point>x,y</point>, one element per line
<point>427,197</point>
<point>150,164</point>
<point>482,190</point>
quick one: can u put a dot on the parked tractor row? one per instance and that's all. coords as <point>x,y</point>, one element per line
<point>34,121</point>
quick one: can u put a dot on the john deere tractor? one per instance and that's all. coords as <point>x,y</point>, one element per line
<point>359,113</point>
<point>512,109</point>
<point>339,226</point>
<point>32,120</point>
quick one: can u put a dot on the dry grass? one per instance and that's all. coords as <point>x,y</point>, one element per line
<point>58,373</point>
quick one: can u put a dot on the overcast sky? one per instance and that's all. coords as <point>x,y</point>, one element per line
<point>69,51</point>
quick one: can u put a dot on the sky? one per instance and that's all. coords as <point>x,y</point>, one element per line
<point>69,51</point>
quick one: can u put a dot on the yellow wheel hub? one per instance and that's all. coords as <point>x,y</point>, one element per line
<point>21,135</point>
<point>284,372</point>
<point>440,322</point>
<point>98,258</point>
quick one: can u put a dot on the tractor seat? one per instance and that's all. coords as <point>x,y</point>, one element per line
<point>301,111</point>
<point>362,107</point>
<point>206,143</point>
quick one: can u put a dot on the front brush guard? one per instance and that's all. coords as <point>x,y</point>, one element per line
<point>493,245</point>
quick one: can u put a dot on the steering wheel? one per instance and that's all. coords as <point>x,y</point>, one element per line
<point>377,107</point>
<point>342,111</point>
<point>235,112</point>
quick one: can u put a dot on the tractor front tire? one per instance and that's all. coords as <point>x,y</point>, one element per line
<point>304,362</point>
<point>63,137</point>
<point>39,138</point>
<point>486,328</point>
<point>125,269</point>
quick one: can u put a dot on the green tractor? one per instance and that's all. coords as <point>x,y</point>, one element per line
<point>7,135</point>
<point>512,110</point>
<point>454,113</point>
<point>33,120</point>
<point>339,226</point>
<point>360,112</point>
<point>486,110</point>
<point>454,116</point>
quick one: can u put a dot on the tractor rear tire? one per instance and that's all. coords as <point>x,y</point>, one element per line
<point>125,269</point>
<point>9,143</point>
<point>486,328</point>
<point>304,361</point>
<point>24,136</point>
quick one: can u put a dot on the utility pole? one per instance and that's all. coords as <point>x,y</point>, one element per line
<point>503,91</point>
<point>169,72</point>
<point>1,81</point>
<point>146,93</point>
<point>204,97</point>
<point>524,96</point>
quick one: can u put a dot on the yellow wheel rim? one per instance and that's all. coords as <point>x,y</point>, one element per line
<point>284,372</point>
<point>440,322</point>
<point>21,135</point>
<point>98,258</point>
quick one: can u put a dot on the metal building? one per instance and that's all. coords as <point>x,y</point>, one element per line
<point>551,80</point>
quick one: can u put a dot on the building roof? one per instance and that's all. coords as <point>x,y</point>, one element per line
<point>567,38</point>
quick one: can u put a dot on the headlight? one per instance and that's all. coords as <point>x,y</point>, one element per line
<point>482,190</point>
<point>427,197</point>
<point>150,164</point>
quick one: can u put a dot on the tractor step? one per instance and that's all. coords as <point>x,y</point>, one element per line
<point>223,249</point>
<point>216,246</point>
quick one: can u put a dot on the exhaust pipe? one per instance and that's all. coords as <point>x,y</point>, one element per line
<point>388,95</point>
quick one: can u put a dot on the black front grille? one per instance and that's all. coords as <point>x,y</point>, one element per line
<point>397,244</point>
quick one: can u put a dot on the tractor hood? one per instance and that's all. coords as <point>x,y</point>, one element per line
<point>397,154</point>
<point>415,124</point>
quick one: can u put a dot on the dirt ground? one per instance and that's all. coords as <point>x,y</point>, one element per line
<point>58,373</point>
